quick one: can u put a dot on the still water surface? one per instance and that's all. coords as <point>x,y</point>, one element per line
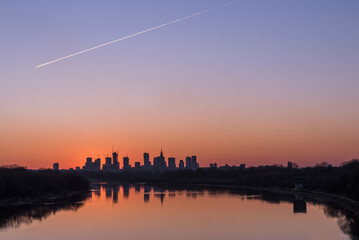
<point>138,212</point>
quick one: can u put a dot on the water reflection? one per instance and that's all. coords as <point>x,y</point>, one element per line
<point>14,215</point>
<point>347,222</point>
<point>164,196</point>
<point>299,204</point>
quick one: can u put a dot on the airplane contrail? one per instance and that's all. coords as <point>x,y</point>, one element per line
<point>135,34</point>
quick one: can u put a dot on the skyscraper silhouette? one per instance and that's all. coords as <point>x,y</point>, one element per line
<point>116,164</point>
<point>126,163</point>
<point>159,162</point>
<point>146,160</point>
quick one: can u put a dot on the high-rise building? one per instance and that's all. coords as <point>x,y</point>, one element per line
<point>159,162</point>
<point>171,163</point>
<point>55,166</point>
<point>92,166</point>
<point>116,164</point>
<point>195,164</point>
<point>97,164</point>
<point>146,160</point>
<point>188,162</point>
<point>108,165</point>
<point>88,163</point>
<point>108,161</point>
<point>126,163</point>
<point>191,163</point>
<point>181,164</point>
<point>137,165</point>
<point>290,165</point>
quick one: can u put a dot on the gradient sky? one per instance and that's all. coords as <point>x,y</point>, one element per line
<point>258,82</point>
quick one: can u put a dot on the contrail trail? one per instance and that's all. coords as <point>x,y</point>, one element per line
<point>135,34</point>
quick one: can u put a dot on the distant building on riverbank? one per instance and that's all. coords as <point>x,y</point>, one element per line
<point>55,166</point>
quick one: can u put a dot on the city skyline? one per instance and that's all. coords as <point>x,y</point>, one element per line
<point>159,163</point>
<point>257,82</point>
<point>114,163</point>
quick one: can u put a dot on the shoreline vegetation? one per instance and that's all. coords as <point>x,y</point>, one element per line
<point>19,185</point>
<point>337,184</point>
<point>342,180</point>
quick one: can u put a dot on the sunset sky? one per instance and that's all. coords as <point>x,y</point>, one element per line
<point>257,82</point>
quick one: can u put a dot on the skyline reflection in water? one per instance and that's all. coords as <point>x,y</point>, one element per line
<point>139,211</point>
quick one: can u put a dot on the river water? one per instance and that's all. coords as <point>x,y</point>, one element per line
<point>139,212</point>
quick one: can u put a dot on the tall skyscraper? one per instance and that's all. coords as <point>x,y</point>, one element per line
<point>191,163</point>
<point>159,162</point>
<point>97,164</point>
<point>108,165</point>
<point>116,164</point>
<point>108,161</point>
<point>137,165</point>
<point>171,163</point>
<point>188,162</point>
<point>88,164</point>
<point>146,160</point>
<point>55,166</point>
<point>126,163</point>
<point>195,164</point>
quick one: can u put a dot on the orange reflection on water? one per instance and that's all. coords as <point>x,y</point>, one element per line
<point>116,211</point>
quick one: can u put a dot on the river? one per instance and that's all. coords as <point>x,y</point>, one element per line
<point>139,212</point>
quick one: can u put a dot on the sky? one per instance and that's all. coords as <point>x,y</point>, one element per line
<point>256,82</point>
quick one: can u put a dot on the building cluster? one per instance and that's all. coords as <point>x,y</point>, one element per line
<point>226,166</point>
<point>159,163</point>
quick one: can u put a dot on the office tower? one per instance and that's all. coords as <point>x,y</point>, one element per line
<point>107,166</point>
<point>181,164</point>
<point>188,162</point>
<point>146,160</point>
<point>137,165</point>
<point>172,163</point>
<point>116,164</point>
<point>126,163</point>
<point>55,166</point>
<point>195,164</point>
<point>159,162</point>
<point>215,165</point>
<point>88,163</point>
<point>97,164</point>
<point>211,165</point>
<point>242,166</point>
<point>108,161</point>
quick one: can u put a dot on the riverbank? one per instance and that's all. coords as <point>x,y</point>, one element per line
<point>19,185</point>
<point>338,200</point>
<point>45,199</point>
<point>342,181</point>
